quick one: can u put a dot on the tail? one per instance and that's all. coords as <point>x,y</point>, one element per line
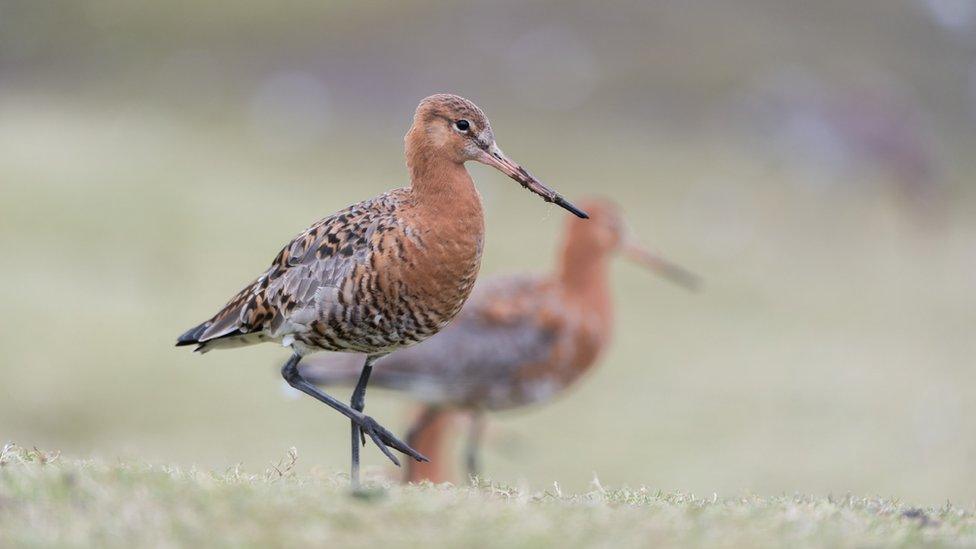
<point>193,335</point>
<point>431,435</point>
<point>225,329</point>
<point>200,336</point>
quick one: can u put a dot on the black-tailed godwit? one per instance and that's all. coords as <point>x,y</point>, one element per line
<point>380,275</point>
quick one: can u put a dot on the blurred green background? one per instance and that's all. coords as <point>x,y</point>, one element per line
<point>812,160</point>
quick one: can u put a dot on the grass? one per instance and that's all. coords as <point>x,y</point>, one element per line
<point>50,500</point>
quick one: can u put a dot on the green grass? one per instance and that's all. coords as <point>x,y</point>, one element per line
<point>49,500</point>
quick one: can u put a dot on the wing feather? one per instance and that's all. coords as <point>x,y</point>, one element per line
<point>286,298</point>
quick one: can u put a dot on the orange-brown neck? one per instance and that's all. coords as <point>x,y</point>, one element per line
<point>440,182</point>
<point>584,275</point>
<point>446,226</point>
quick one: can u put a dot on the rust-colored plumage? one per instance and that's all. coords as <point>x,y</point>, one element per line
<point>382,274</point>
<point>518,341</point>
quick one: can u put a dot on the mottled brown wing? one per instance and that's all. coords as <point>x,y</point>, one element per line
<point>496,335</point>
<point>305,276</point>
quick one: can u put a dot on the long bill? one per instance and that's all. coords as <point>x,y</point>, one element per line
<point>662,266</point>
<point>495,158</point>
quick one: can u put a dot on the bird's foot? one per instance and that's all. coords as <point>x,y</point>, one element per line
<point>385,440</point>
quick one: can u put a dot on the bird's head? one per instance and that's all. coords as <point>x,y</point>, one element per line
<point>607,234</point>
<point>455,129</point>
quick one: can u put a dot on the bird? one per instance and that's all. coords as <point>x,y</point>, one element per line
<point>380,275</point>
<point>520,340</point>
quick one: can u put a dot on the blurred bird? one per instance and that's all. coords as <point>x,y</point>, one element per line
<point>520,340</point>
<point>382,274</point>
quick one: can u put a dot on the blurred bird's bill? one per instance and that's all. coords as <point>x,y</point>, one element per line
<point>661,266</point>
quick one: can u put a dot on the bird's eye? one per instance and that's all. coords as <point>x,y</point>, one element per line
<point>462,125</point>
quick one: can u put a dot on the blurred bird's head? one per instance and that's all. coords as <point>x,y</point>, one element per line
<point>450,128</point>
<point>607,234</point>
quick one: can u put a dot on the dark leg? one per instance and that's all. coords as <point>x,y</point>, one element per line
<point>429,415</point>
<point>358,403</point>
<point>383,438</point>
<point>473,448</point>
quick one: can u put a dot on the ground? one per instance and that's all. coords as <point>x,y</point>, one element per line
<point>50,500</point>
